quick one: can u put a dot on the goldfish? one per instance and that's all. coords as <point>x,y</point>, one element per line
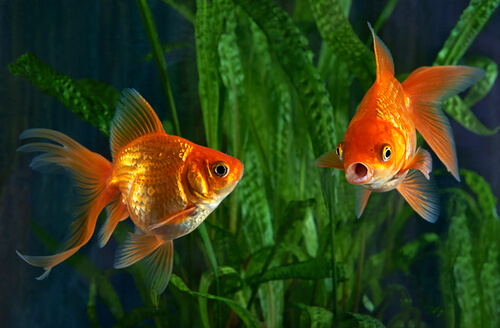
<point>379,147</point>
<point>167,185</point>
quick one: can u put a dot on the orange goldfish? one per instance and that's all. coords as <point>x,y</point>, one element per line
<point>379,147</point>
<point>166,184</point>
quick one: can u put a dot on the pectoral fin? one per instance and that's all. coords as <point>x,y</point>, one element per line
<point>422,161</point>
<point>188,212</point>
<point>362,195</point>
<point>330,159</point>
<point>135,248</point>
<point>421,194</point>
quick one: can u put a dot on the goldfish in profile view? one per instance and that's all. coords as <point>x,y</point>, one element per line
<point>166,184</point>
<point>379,146</point>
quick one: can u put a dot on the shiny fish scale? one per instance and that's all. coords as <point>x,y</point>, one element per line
<point>148,167</point>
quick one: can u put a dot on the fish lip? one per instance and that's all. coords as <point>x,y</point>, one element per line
<point>354,178</point>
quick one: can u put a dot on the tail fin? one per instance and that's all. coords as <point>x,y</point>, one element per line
<point>90,172</point>
<point>426,88</point>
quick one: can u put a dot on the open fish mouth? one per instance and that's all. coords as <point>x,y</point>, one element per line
<point>359,173</point>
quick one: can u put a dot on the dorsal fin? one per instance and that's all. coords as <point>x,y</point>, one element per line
<point>382,56</point>
<point>133,119</point>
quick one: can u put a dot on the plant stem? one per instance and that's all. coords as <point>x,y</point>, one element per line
<point>154,42</point>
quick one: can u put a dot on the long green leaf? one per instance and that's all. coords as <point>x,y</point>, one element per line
<point>479,90</point>
<point>336,30</point>
<point>290,48</point>
<point>245,315</point>
<point>206,280</point>
<point>458,109</point>
<point>315,316</point>
<point>208,28</point>
<point>182,8</point>
<point>154,42</point>
<point>468,27</point>
<point>95,108</point>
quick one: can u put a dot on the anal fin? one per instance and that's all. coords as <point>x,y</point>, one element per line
<point>117,211</point>
<point>362,195</point>
<point>159,267</point>
<point>135,248</point>
<point>421,194</point>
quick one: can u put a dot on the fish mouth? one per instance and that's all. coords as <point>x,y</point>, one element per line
<point>358,173</point>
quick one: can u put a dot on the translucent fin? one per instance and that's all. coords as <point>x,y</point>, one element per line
<point>422,161</point>
<point>189,212</point>
<point>133,119</point>
<point>135,248</point>
<point>159,267</point>
<point>89,171</point>
<point>426,88</point>
<point>421,194</point>
<point>385,64</point>
<point>362,195</point>
<point>330,159</point>
<point>117,211</point>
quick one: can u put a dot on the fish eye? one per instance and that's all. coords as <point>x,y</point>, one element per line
<point>220,169</point>
<point>386,153</point>
<point>338,150</point>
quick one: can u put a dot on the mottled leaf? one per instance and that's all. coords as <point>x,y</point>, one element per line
<point>468,27</point>
<point>95,108</point>
<point>336,30</point>
<point>458,109</point>
<point>208,28</point>
<point>479,90</point>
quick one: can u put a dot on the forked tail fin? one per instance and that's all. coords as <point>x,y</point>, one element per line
<point>426,88</point>
<point>90,172</point>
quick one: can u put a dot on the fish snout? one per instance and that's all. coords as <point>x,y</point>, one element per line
<point>358,173</point>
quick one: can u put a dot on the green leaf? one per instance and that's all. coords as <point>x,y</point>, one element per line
<point>183,9</point>
<point>244,314</point>
<point>479,90</point>
<point>290,48</point>
<point>208,28</point>
<point>94,106</point>
<point>91,309</point>
<point>471,22</point>
<point>336,30</point>
<point>315,316</point>
<point>154,42</point>
<point>487,201</point>
<point>458,109</point>
<point>206,280</point>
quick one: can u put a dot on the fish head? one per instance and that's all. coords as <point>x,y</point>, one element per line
<point>211,176</point>
<point>373,153</point>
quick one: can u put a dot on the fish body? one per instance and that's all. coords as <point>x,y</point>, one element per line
<point>380,145</point>
<point>167,185</point>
